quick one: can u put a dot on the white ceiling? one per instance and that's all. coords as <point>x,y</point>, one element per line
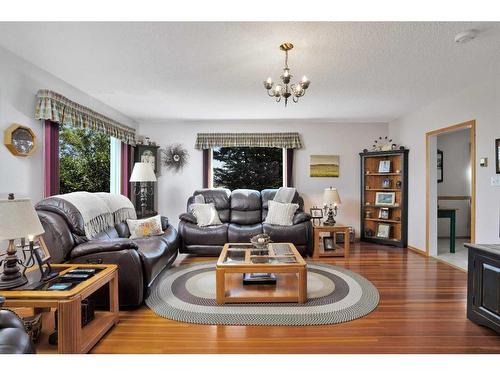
<point>162,71</point>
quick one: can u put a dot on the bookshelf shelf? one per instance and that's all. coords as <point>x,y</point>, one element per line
<point>396,183</point>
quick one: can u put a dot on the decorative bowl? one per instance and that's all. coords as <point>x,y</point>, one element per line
<point>260,241</point>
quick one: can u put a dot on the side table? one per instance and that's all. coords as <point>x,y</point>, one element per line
<point>340,251</point>
<point>72,337</point>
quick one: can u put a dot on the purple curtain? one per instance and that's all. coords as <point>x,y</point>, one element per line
<point>289,167</point>
<point>126,157</point>
<point>51,156</point>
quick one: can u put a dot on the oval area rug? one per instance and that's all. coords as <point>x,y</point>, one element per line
<point>335,295</point>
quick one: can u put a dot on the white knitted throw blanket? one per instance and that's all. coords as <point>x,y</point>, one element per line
<point>100,211</point>
<point>120,206</point>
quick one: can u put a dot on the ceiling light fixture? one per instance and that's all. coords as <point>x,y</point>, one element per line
<point>286,89</point>
<point>465,36</point>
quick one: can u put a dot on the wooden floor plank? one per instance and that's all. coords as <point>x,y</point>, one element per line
<point>422,310</point>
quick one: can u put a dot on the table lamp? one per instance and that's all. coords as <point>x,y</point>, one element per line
<point>142,174</point>
<point>331,200</point>
<point>18,219</point>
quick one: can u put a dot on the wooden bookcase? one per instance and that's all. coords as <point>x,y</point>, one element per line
<point>372,182</point>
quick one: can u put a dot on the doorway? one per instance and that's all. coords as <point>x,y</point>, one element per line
<point>451,192</point>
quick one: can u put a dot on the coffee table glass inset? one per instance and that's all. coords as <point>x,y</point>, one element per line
<point>281,259</point>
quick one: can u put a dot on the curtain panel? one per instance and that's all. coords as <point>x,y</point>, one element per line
<point>57,108</point>
<point>206,141</point>
<point>51,158</point>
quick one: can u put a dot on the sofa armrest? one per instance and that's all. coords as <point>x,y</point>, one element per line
<point>190,218</point>
<point>301,217</point>
<point>97,246</point>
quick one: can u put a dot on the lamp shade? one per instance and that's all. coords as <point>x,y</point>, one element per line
<point>18,219</point>
<point>331,196</point>
<point>142,172</point>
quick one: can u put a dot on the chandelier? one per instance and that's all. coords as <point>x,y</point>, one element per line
<point>286,89</point>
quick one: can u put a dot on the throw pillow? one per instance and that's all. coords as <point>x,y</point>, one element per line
<point>206,214</point>
<point>281,213</point>
<point>145,227</point>
<point>285,195</point>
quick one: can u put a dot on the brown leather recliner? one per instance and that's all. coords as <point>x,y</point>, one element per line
<point>139,260</point>
<point>13,336</point>
<point>242,213</point>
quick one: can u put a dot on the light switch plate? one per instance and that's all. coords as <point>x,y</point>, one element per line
<point>495,180</point>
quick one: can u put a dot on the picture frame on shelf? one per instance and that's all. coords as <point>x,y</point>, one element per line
<point>383,198</point>
<point>440,160</point>
<point>384,166</point>
<point>328,244</point>
<point>383,213</point>
<point>386,183</point>
<point>383,230</point>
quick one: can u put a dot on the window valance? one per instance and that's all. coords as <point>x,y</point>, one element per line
<point>282,140</point>
<point>57,108</point>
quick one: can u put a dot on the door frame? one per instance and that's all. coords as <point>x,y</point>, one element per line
<point>471,125</point>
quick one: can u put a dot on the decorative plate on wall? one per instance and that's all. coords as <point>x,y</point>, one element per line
<point>20,140</point>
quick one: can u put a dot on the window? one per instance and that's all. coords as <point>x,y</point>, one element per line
<point>247,167</point>
<point>84,156</point>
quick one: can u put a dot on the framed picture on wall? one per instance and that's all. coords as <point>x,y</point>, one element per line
<point>497,155</point>
<point>439,166</point>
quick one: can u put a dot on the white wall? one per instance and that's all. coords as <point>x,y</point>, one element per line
<point>481,103</point>
<point>346,140</point>
<point>20,82</point>
<point>456,180</point>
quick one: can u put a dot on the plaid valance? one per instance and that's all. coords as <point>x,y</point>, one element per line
<point>55,107</point>
<point>281,140</point>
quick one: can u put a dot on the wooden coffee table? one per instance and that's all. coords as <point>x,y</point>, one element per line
<point>281,259</point>
<point>72,337</point>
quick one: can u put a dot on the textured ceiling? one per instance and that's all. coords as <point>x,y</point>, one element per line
<point>159,71</point>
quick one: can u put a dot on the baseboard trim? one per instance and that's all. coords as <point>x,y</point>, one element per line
<point>449,264</point>
<point>417,250</point>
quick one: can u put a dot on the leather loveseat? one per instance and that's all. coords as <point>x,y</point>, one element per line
<point>13,337</point>
<point>139,260</point>
<point>242,213</point>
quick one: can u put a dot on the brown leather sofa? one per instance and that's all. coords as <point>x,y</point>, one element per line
<point>242,213</point>
<point>139,260</point>
<point>13,336</point>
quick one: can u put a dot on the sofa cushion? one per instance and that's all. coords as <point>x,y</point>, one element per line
<point>297,234</point>
<point>243,233</point>
<point>154,256</point>
<point>192,234</point>
<point>245,206</point>
<point>142,228</point>
<point>221,199</point>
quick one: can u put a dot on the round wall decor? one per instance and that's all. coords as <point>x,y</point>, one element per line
<point>20,140</point>
<point>175,157</point>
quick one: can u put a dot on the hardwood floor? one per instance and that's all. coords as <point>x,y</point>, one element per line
<point>422,310</point>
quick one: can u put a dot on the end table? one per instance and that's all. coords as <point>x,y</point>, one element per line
<point>338,251</point>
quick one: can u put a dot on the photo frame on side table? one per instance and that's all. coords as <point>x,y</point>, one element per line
<point>316,215</point>
<point>328,243</point>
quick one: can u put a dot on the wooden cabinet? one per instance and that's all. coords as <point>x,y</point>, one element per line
<point>483,286</point>
<point>384,197</point>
